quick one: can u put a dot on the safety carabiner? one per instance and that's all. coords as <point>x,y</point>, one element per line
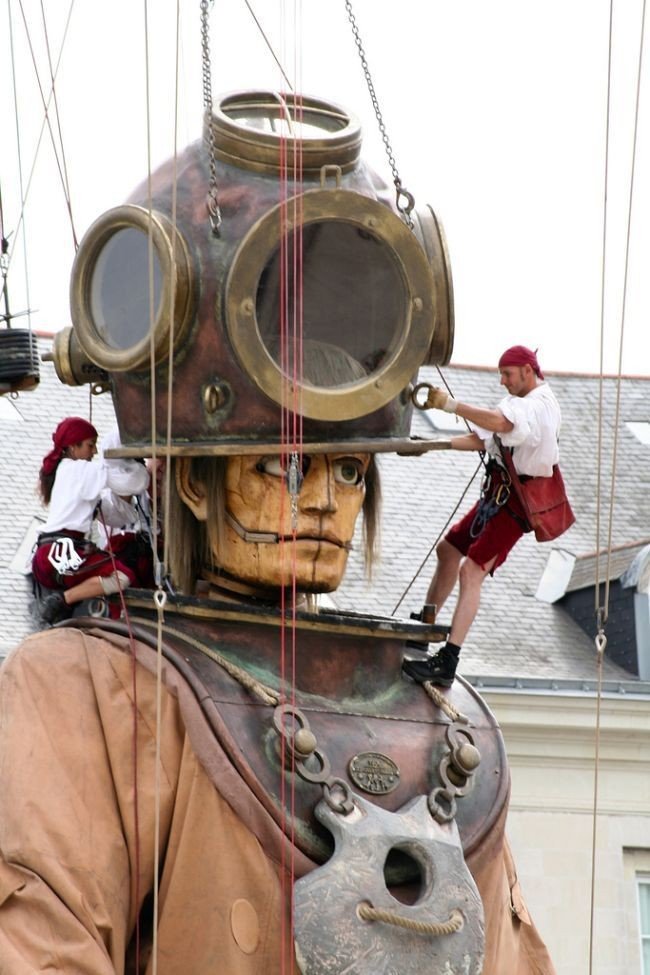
<point>502,495</point>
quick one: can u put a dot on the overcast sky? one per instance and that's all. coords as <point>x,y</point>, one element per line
<point>496,113</point>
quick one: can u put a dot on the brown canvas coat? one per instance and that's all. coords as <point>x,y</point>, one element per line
<point>78,734</point>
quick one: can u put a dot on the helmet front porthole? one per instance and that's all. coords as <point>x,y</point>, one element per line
<point>354,281</point>
<point>131,278</point>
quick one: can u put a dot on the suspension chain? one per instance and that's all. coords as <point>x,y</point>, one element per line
<point>4,288</point>
<point>403,199</point>
<point>212,198</point>
<point>4,266</point>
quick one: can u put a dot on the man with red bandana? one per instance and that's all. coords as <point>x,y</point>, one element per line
<point>528,421</point>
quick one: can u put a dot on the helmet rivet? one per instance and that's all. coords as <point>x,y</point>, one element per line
<point>304,741</point>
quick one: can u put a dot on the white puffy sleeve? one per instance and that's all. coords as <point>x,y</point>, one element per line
<point>124,476</point>
<point>525,419</point>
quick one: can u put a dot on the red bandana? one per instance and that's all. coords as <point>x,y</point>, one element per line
<point>72,430</point>
<point>519,355</point>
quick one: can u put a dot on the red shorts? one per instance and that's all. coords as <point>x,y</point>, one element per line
<point>134,550</point>
<point>96,563</point>
<point>498,537</point>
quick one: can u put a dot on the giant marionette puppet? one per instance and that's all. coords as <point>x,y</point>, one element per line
<point>226,779</point>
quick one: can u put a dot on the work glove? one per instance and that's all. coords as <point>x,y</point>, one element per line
<point>438,399</point>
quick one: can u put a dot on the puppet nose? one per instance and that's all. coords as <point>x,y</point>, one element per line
<point>318,491</point>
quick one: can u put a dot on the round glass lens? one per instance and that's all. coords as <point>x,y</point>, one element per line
<point>119,289</point>
<point>331,304</point>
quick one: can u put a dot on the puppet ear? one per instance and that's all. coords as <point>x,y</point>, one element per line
<point>191,493</point>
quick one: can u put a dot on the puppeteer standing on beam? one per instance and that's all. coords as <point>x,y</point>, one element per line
<point>226,779</point>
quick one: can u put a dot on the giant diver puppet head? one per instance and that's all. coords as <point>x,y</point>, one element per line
<point>287,341</point>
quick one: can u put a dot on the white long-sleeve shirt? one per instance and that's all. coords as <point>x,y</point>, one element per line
<point>536,420</point>
<point>78,485</point>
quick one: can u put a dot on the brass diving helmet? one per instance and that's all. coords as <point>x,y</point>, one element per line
<point>315,298</point>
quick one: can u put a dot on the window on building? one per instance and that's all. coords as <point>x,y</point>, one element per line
<point>643,888</point>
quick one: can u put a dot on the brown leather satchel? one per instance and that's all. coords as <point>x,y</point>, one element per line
<point>543,499</point>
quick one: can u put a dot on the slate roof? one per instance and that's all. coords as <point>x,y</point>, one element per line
<point>515,634</point>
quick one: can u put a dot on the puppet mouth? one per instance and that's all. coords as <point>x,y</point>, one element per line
<point>272,538</point>
<point>323,538</point>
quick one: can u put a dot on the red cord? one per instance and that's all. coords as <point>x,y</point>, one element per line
<point>134,687</point>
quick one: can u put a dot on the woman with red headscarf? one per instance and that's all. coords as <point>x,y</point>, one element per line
<point>66,560</point>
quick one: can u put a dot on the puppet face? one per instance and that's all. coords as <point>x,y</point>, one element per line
<point>264,543</point>
<point>313,546</point>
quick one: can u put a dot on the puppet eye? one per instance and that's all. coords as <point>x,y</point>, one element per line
<point>348,470</point>
<point>270,465</point>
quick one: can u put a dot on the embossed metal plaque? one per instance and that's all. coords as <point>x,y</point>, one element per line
<point>374,773</point>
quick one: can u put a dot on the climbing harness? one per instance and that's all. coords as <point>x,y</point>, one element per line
<point>495,493</point>
<point>63,557</point>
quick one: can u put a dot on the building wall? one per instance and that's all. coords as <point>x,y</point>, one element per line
<point>551,742</point>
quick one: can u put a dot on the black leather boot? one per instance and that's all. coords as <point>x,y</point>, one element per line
<point>440,669</point>
<point>54,608</point>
